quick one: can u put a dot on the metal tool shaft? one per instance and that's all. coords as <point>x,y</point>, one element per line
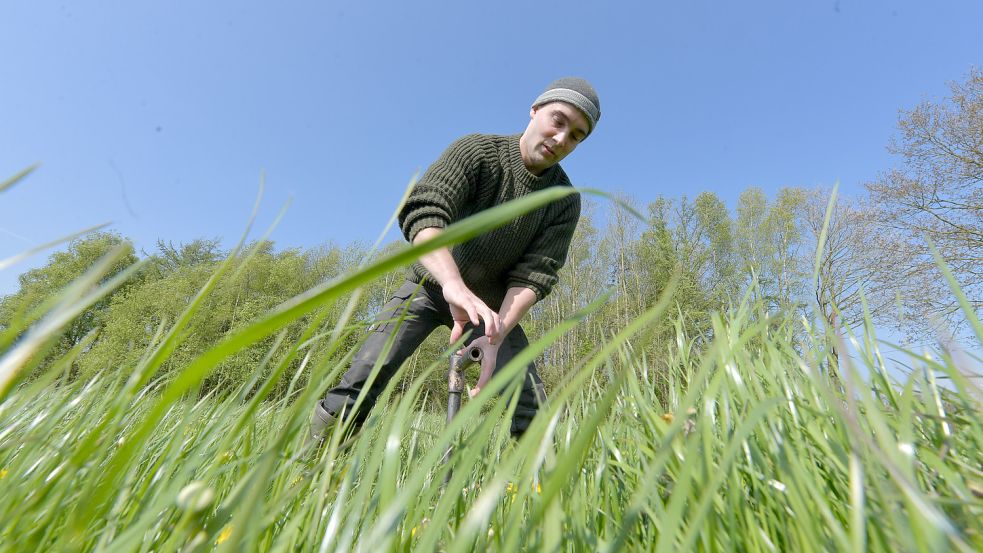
<point>455,387</point>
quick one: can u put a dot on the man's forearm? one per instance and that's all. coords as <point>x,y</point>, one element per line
<point>518,300</point>
<point>464,304</point>
<point>440,263</point>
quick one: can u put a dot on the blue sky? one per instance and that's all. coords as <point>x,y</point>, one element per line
<point>161,116</point>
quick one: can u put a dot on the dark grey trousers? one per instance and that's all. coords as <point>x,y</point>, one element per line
<point>424,312</point>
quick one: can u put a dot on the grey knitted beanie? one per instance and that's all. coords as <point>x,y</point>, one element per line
<point>577,92</point>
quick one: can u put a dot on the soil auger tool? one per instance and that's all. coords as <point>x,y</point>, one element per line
<point>471,355</point>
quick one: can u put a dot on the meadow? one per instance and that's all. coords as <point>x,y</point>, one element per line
<point>737,439</point>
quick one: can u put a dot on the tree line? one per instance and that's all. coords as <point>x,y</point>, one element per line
<point>797,258</point>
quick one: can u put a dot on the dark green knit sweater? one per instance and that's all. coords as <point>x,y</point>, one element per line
<point>478,172</point>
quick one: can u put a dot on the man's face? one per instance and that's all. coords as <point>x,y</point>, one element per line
<point>554,130</point>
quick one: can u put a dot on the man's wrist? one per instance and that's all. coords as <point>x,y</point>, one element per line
<point>453,283</point>
<point>518,300</point>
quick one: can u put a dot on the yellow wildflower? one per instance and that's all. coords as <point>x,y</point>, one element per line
<point>3,474</point>
<point>224,534</point>
<point>668,417</point>
<point>415,528</point>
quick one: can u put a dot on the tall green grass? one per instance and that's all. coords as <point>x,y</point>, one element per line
<point>753,448</point>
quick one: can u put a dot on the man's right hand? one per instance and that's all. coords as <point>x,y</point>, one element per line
<point>467,307</point>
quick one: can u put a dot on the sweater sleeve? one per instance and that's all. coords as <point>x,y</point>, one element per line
<point>441,196</point>
<point>537,268</point>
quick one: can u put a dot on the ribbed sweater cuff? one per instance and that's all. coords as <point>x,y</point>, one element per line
<point>422,223</point>
<point>540,292</point>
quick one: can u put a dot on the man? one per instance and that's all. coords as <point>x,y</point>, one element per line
<point>491,281</point>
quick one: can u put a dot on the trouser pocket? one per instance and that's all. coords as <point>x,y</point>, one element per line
<point>394,309</point>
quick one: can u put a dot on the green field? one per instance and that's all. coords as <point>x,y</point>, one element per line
<point>740,440</point>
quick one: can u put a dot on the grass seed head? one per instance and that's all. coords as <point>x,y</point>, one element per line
<point>195,497</point>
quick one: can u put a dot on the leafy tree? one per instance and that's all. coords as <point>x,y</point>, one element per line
<point>695,240</point>
<point>786,266</point>
<point>46,282</point>
<point>768,241</point>
<point>752,238</point>
<point>626,269</point>
<point>717,267</point>
<point>171,257</point>
<point>252,287</point>
<point>855,264</point>
<point>937,194</point>
<point>582,278</point>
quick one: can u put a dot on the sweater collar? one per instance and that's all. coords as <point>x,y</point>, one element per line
<point>522,174</point>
